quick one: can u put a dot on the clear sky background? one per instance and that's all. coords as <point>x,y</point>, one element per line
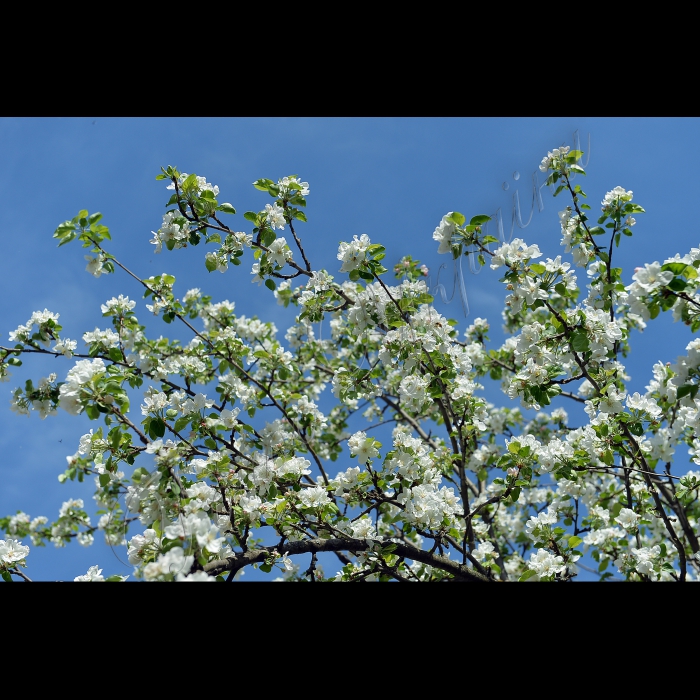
<point>391,178</point>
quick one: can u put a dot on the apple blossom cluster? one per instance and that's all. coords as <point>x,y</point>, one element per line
<point>575,238</point>
<point>12,553</point>
<point>659,287</point>
<point>352,254</point>
<point>288,186</point>
<point>554,160</point>
<point>197,184</point>
<point>275,216</point>
<point>615,198</point>
<point>240,445</point>
<point>79,383</point>
<point>118,306</point>
<point>174,230</point>
<point>514,254</point>
<point>45,321</point>
<point>94,573</point>
<point>545,564</point>
<point>443,233</point>
<point>41,398</point>
<point>96,265</point>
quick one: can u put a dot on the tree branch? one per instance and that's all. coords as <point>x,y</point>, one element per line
<point>235,563</point>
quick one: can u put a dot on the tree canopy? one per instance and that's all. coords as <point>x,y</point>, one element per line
<point>233,445</point>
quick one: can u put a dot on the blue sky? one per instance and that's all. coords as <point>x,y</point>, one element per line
<point>391,178</point>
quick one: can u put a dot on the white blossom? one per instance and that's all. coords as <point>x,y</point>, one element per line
<point>93,574</point>
<point>12,551</point>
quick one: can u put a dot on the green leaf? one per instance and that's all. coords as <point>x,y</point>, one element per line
<point>685,390</point>
<point>270,284</point>
<point>181,423</point>
<point>676,268</point>
<point>67,239</point>
<point>104,480</point>
<point>528,574</point>
<point>456,218</point>
<point>140,473</point>
<point>263,184</point>
<point>677,284</point>
<point>64,230</point>
<point>93,413</point>
<point>251,216</point>
<point>579,341</point>
<point>538,268</point>
<point>189,181</point>
<point>226,208</point>
<point>479,219</point>
<point>574,541</point>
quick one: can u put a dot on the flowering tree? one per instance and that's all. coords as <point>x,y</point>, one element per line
<point>230,460</point>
